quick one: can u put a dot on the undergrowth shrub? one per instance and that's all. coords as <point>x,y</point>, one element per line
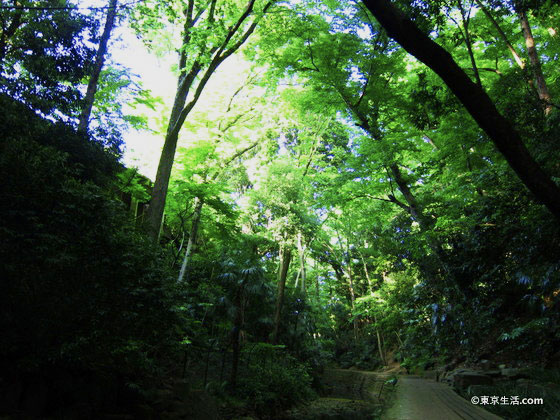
<point>274,385</point>
<point>84,293</point>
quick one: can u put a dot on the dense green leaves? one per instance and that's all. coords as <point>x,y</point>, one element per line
<point>44,55</point>
<point>82,290</point>
<point>331,201</point>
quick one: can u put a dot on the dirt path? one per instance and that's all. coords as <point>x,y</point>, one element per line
<point>421,399</point>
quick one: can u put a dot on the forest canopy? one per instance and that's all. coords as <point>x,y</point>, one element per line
<point>341,183</point>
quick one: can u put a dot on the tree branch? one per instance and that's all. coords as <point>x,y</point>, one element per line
<point>477,102</point>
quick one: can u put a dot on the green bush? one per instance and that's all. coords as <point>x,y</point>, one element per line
<point>83,291</point>
<point>274,385</point>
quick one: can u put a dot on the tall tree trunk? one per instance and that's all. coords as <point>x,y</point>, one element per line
<point>506,139</point>
<point>426,223</point>
<point>317,291</point>
<point>465,17</point>
<point>285,258</point>
<point>379,342</point>
<point>159,192</point>
<point>341,274</point>
<point>99,61</point>
<point>350,279</point>
<point>542,88</point>
<point>510,47</point>
<point>199,202</point>
<point>413,207</point>
<point>211,59</point>
<point>301,251</point>
<point>236,333</point>
<point>377,333</point>
<point>342,271</point>
<point>366,271</point>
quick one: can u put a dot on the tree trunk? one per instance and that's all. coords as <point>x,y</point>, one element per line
<point>199,202</point>
<point>413,207</point>
<point>317,291</point>
<point>348,274</point>
<point>542,89</point>
<point>192,239</point>
<point>487,13</point>
<point>99,61</point>
<point>301,251</point>
<point>285,257</point>
<point>366,271</point>
<point>379,343</point>
<point>340,272</point>
<point>426,225</point>
<point>236,334</point>
<point>377,333</point>
<point>159,192</point>
<point>465,17</point>
<point>212,58</point>
<point>506,139</point>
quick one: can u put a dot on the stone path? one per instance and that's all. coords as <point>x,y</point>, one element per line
<point>421,399</point>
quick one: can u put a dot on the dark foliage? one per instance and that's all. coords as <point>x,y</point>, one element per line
<point>82,291</point>
<point>44,56</point>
